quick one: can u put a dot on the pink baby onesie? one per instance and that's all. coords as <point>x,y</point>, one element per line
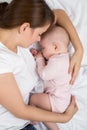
<point>56,80</point>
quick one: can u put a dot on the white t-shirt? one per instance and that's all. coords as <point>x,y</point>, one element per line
<point>22,65</point>
<point>76,11</point>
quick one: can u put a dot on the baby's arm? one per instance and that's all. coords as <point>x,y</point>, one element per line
<point>63,20</point>
<point>48,71</point>
<point>40,100</point>
<point>41,64</point>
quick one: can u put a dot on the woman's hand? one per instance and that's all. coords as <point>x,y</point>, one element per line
<point>71,110</point>
<point>75,64</point>
<point>62,19</point>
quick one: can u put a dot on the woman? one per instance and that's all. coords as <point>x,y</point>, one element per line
<point>21,23</point>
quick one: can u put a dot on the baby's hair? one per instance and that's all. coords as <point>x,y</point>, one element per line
<point>57,34</point>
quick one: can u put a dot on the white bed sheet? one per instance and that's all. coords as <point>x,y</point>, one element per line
<point>76,9</point>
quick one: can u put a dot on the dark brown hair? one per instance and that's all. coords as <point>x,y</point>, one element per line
<point>35,12</point>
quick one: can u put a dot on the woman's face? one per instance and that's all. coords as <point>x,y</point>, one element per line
<point>31,35</point>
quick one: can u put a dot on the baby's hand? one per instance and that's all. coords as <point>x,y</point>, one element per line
<point>33,51</point>
<point>36,54</point>
<point>39,55</point>
<point>75,65</point>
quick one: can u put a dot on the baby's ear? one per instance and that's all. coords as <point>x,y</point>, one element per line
<point>56,46</point>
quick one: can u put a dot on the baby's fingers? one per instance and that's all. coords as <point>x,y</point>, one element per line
<point>33,51</point>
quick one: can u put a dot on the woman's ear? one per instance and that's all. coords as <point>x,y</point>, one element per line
<point>24,27</point>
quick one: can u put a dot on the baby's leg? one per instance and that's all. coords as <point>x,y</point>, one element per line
<point>51,126</point>
<point>41,100</point>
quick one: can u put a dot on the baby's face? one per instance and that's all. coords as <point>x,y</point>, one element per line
<point>47,49</point>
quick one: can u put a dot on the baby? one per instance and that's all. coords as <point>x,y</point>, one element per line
<point>52,66</point>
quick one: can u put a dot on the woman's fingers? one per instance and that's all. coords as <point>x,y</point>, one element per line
<point>75,63</point>
<point>72,109</point>
<point>74,73</point>
<point>73,70</point>
<point>73,103</point>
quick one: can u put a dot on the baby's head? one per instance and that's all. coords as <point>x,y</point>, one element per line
<point>55,41</point>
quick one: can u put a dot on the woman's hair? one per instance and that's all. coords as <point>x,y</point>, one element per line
<point>35,12</point>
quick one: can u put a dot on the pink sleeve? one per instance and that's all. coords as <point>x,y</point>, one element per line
<point>46,72</point>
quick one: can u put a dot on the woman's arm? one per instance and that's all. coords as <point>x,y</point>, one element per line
<point>11,99</point>
<point>62,19</point>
